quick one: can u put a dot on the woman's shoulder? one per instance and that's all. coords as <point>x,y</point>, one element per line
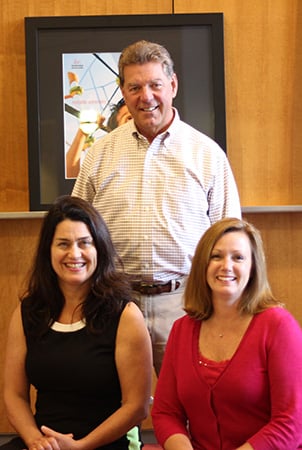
<point>275,313</point>
<point>16,323</point>
<point>277,316</point>
<point>17,313</point>
<point>185,323</point>
<point>131,313</point>
<point>132,327</point>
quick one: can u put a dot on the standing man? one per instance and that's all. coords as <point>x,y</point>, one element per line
<point>159,184</point>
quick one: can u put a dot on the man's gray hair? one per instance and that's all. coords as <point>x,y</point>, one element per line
<point>142,52</point>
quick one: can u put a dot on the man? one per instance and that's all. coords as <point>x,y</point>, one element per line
<point>159,184</point>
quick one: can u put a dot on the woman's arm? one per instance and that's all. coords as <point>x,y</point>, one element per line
<point>178,442</point>
<point>73,156</point>
<point>284,362</point>
<point>168,414</point>
<point>17,389</point>
<point>133,357</point>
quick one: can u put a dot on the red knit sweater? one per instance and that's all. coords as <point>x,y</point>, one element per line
<point>257,397</point>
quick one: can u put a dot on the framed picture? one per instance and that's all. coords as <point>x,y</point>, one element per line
<point>71,73</point>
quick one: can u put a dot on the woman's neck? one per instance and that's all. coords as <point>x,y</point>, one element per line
<point>72,308</point>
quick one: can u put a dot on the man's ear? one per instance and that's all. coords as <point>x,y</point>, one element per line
<point>174,84</point>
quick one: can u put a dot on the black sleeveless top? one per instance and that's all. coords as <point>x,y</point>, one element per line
<point>76,379</point>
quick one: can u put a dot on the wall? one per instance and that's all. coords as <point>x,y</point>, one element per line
<point>263,62</point>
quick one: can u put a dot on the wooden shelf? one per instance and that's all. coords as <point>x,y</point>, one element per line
<point>272,209</point>
<point>245,209</point>
<point>22,215</point>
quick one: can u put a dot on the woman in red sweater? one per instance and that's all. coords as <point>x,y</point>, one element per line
<point>232,372</point>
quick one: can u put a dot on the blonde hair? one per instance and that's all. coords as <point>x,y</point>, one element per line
<point>257,295</point>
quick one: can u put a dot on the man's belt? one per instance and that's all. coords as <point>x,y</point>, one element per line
<point>155,289</point>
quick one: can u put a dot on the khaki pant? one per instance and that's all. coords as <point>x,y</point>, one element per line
<point>160,311</point>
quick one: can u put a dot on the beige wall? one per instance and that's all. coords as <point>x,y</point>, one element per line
<point>263,63</point>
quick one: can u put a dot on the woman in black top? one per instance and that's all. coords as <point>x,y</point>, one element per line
<point>79,340</point>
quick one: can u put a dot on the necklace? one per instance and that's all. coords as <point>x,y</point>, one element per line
<point>236,327</point>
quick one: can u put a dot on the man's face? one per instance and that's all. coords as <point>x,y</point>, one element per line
<point>149,94</point>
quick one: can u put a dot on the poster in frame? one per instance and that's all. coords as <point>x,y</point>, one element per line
<point>195,42</point>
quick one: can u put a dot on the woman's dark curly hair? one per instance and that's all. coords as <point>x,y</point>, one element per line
<point>43,300</point>
<point>112,121</point>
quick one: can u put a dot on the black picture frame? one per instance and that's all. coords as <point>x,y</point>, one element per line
<point>196,44</point>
